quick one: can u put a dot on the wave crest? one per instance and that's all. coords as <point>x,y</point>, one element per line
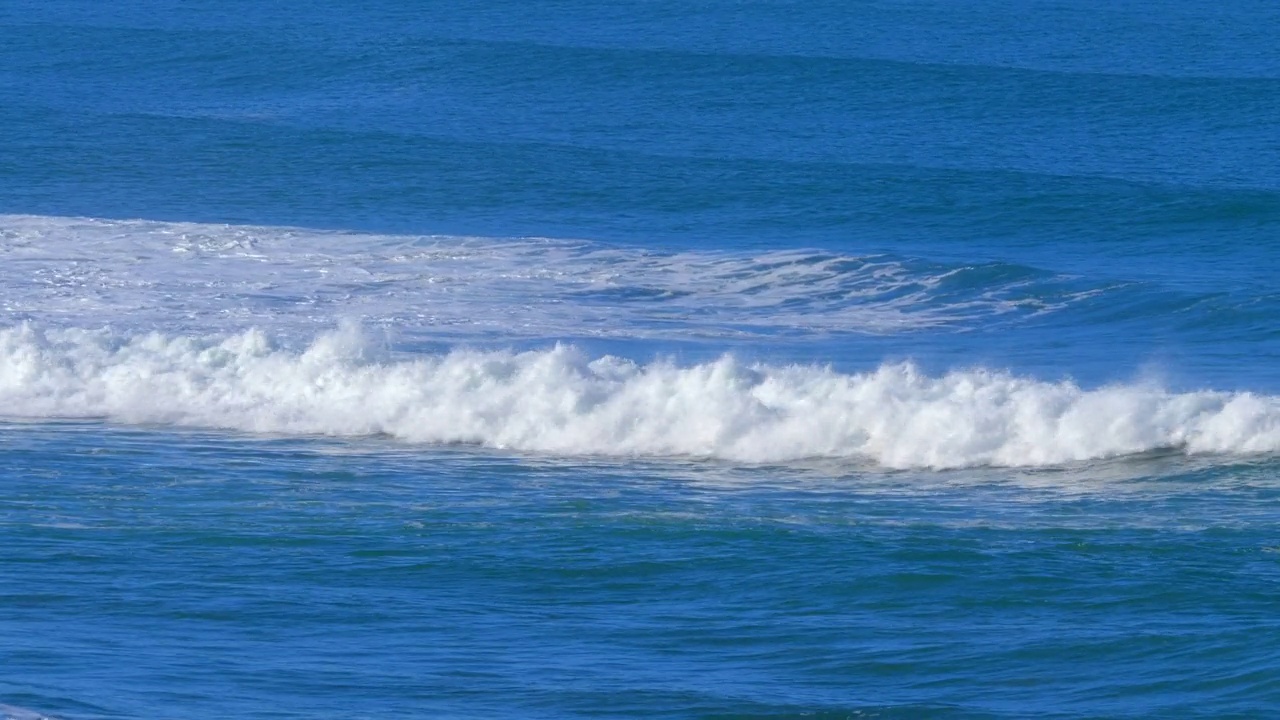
<point>561,401</point>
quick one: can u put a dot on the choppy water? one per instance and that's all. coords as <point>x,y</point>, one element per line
<point>899,360</point>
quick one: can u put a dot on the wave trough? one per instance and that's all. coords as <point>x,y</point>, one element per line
<point>560,401</point>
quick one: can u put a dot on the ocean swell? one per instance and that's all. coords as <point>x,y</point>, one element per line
<point>560,401</point>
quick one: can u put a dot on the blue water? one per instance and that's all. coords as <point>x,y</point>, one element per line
<point>565,359</point>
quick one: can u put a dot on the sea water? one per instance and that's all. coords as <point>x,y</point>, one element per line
<point>762,359</point>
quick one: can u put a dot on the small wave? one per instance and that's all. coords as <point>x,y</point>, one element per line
<point>560,401</point>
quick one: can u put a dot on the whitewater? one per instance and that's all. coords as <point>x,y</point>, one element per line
<point>467,288</point>
<point>581,360</point>
<point>563,402</point>
<point>304,332</point>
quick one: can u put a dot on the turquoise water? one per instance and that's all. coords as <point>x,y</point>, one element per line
<point>900,360</point>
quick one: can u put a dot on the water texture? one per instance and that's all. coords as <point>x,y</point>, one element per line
<point>558,360</point>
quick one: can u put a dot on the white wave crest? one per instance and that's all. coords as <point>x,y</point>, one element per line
<point>559,401</point>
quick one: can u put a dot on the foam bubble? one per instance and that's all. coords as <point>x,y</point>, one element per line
<point>560,401</point>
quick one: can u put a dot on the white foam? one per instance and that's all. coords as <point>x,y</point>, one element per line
<point>559,401</point>
<point>192,277</point>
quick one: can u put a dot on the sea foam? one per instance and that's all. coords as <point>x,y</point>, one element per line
<point>560,401</point>
<point>185,276</point>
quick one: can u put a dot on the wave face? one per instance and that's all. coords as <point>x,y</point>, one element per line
<point>561,401</point>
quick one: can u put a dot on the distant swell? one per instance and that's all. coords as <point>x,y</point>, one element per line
<point>559,401</point>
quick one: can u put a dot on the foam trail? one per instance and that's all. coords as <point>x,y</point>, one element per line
<point>13,712</point>
<point>223,278</point>
<point>559,401</point>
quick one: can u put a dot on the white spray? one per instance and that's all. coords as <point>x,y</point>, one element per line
<point>559,401</point>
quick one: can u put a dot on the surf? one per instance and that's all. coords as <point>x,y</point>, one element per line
<point>561,401</point>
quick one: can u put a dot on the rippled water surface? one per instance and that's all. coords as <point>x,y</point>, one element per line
<point>897,360</point>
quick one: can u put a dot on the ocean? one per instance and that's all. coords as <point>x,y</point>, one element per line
<point>563,359</point>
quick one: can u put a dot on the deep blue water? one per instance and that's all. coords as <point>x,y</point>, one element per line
<point>565,359</point>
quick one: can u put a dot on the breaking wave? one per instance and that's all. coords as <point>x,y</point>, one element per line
<point>560,401</point>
